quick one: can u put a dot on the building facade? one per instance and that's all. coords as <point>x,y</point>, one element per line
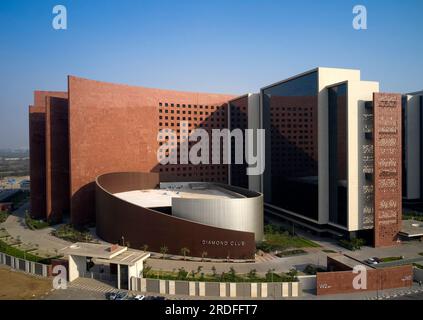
<point>330,152</point>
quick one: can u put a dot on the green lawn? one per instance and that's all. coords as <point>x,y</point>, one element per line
<point>230,276</point>
<point>412,216</point>
<point>34,224</point>
<point>69,233</point>
<point>16,252</point>
<point>283,241</point>
<point>389,259</point>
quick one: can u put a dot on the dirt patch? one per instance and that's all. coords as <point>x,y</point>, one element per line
<point>19,286</point>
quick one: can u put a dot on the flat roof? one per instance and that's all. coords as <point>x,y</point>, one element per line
<point>94,250</point>
<point>109,253</point>
<point>412,228</point>
<point>156,198</point>
<point>347,261</point>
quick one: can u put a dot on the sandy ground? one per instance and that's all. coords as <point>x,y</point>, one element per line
<point>19,286</point>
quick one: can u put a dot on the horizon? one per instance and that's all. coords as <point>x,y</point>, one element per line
<point>232,47</point>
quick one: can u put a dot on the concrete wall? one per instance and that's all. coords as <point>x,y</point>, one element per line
<point>77,267</point>
<point>34,268</point>
<point>255,121</point>
<point>327,77</point>
<point>220,289</point>
<point>412,145</point>
<point>139,226</point>
<point>358,93</point>
<point>377,279</point>
<point>243,214</point>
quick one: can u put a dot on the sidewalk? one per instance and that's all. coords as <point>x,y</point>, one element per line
<point>16,227</point>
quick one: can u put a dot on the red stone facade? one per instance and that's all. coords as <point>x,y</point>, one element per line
<point>339,282</point>
<point>38,152</point>
<point>100,127</point>
<point>119,221</point>
<point>388,165</point>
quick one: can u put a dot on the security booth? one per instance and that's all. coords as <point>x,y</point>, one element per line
<point>109,263</point>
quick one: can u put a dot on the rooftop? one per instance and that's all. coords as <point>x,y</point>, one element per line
<point>111,253</point>
<point>412,228</point>
<point>156,198</point>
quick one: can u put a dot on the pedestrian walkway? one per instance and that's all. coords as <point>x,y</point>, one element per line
<point>92,285</point>
<point>266,257</point>
<point>397,294</point>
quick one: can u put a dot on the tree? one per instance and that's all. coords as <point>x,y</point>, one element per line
<point>252,274</point>
<point>199,268</point>
<point>184,252</point>
<point>146,269</point>
<point>203,255</point>
<point>293,274</point>
<point>232,274</point>
<point>163,251</point>
<point>182,274</point>
<point>145,247</point>
<point>214,271</point>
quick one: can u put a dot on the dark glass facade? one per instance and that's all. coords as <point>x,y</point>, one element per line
<point>290,120</point>
<point>338,143</point>
<point>238,120</point>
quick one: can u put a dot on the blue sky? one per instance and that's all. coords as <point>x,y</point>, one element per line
<point>226,46</point>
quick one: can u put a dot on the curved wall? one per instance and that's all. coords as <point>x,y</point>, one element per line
<point>117,218</point>
<point>242,214</point>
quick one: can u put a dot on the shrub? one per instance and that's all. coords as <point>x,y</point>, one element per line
<point>69,233</point>
<point>34,224</point>
<point>353,244</point>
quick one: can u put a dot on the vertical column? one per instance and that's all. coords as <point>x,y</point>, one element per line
<point>162,286</point>
<point>191,288</point>
<point>294,289</point>
<point>264,290</point>
<point>171,287</point>
<point>232,290</point>
<point>285,289</point>
<point>202,289</point>
<point>118,276</point>
<point>143,285</point>
<point>388,167</point>
<point>253,289</point>
<point>222,289</point>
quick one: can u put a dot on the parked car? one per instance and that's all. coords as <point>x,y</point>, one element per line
<point>155,298</point>
<point>121,296</point>
<point>373,260</point>
<point>111,295</point>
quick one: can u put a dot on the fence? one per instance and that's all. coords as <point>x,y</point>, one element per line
<point>218,289</point>
<point>34,268</point>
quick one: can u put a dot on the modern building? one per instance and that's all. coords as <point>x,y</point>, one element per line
<point>332,148</point>
<point>112,263</point>
<point>412,114</point>
<point>99,127</point>
<point>322,129</point>
<point>210,220</point>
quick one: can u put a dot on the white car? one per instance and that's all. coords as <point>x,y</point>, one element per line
<point>139,297</point>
